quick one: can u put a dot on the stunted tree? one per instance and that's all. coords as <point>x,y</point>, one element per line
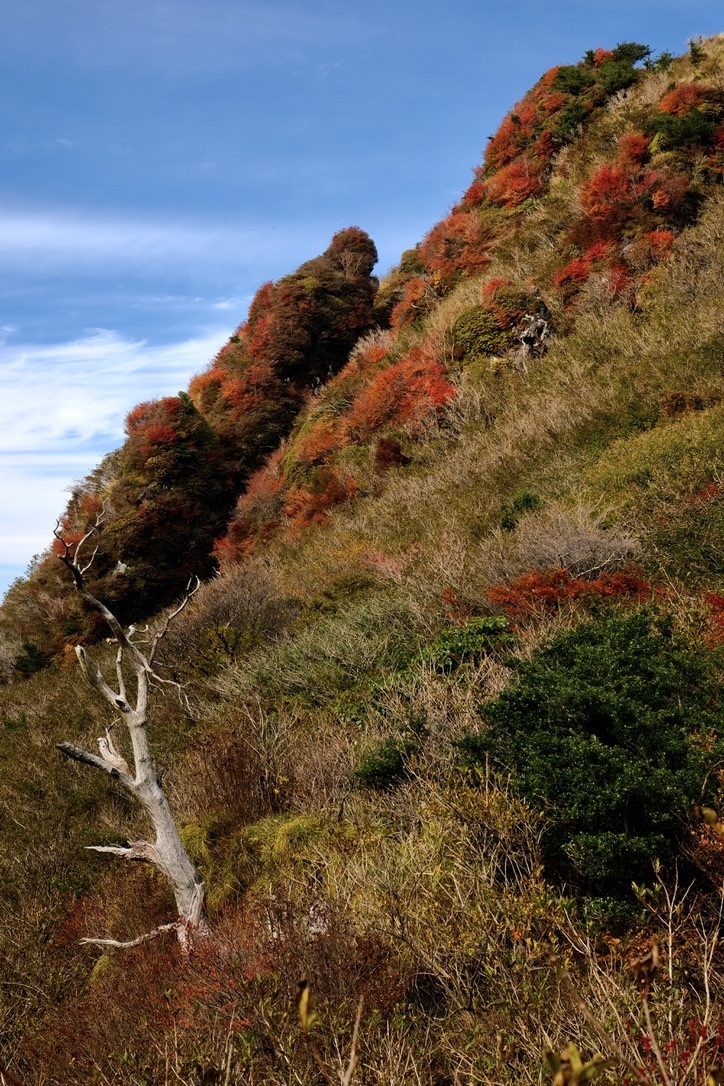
<point>139,778</point>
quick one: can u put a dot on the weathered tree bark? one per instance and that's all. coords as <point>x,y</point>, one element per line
<point>166,852</point>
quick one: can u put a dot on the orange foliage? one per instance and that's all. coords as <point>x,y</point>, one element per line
<point>683,98</point>
<point>306,507</point>
<point>406,393</point>
<point>460,243</point>
<point>600,56</point>
<point>475,194</point>
<point>516,182</point>
<point>257,512</point>
<point>411,305</point>
<point>549,77</point>
<point>539,593</point>
<point>317,444</point>
<point>493,285</point>
<point>504,145</point>
<point>633,148</point>
<point>578,270</point>
<point>614,192</point>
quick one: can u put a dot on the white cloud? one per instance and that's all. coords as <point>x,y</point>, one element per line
<point>62,407</point>
<point>237,304</point>
<point>67,395</point>
<point>67,239</point>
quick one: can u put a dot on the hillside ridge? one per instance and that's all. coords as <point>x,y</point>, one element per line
<point>452,743</point>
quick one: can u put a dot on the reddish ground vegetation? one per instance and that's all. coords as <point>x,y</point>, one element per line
<point>679,101</point>
<point>715,603</point>
<point>405,393</point>
<point>516,182</point>
<point>538,593</point>
<point>304,507</point>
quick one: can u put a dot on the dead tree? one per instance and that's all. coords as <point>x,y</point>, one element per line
<point>139,778</point>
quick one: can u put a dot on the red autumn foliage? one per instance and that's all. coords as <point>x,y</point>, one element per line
<point>457,611</point>
<point>404,393</point>
<point>683,98</point>
<point>492,285</point>
<point>543,592</point>
<point>507,302</point>
<point>257,512</point>
<point>460,243</point>
<point>415,302</point>
<point>145,414</point>
<point>316,445</point>
<point>615,192</point>
<point>670,192</point>
<point>600,56</point>
<point>549,77</point>
<point>699,1046</point>
<point>715,603</point>
<point>516,182</point>
<point>619,277</point>
<point>504,145</point>
<point>475,194</point>
<point>633,148</point>
<point>661,242</point>
<point>305,507</point>
<point>578,270</point>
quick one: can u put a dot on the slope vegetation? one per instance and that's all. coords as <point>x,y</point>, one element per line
<point>454,747</point>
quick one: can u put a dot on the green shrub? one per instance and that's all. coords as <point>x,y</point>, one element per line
<point>477,333</point>
<point>631,52</point>
<point>385,764</point>
<point>611,728</point>
<point>469,643</point>
<point>671,131</point>
<point>569,121</point>
<point>522,502</point>
<point>615,75</point>
<point>572,80</point>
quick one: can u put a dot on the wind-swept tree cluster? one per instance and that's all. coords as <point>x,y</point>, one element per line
<point>170,489</point>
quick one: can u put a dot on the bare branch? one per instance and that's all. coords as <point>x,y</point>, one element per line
<point>77,754</point>
<point>132,942</point>
<point>111,755</point>
<point>96,678</point>
<point>159,636</point>
<point>135,850</point>
<point>346,1080</point>
<point>119,673</point>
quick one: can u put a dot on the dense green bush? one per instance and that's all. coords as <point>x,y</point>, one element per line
<point>612,729</point>
<point>469,643</point>
<point>671,131</point>
<point>572,79</point>
<point>477,333</point>
<point>525,501</point>
<point>385,764</point>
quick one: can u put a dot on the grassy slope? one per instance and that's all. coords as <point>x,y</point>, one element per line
<point>429,898</point>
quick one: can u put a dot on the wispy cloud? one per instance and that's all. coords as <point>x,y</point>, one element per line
<point>66,239</point>
<point>62,408</point>
<point>69,394</point>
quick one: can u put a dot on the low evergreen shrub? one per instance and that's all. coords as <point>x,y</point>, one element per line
<point>612,728</point>
<point>469,643</point>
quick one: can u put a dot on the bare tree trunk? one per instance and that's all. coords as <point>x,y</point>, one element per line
<point>166,852</point>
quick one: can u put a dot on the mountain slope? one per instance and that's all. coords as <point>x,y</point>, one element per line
<point>458,684</point>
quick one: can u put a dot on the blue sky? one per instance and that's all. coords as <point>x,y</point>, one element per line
<point>159,161</point>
